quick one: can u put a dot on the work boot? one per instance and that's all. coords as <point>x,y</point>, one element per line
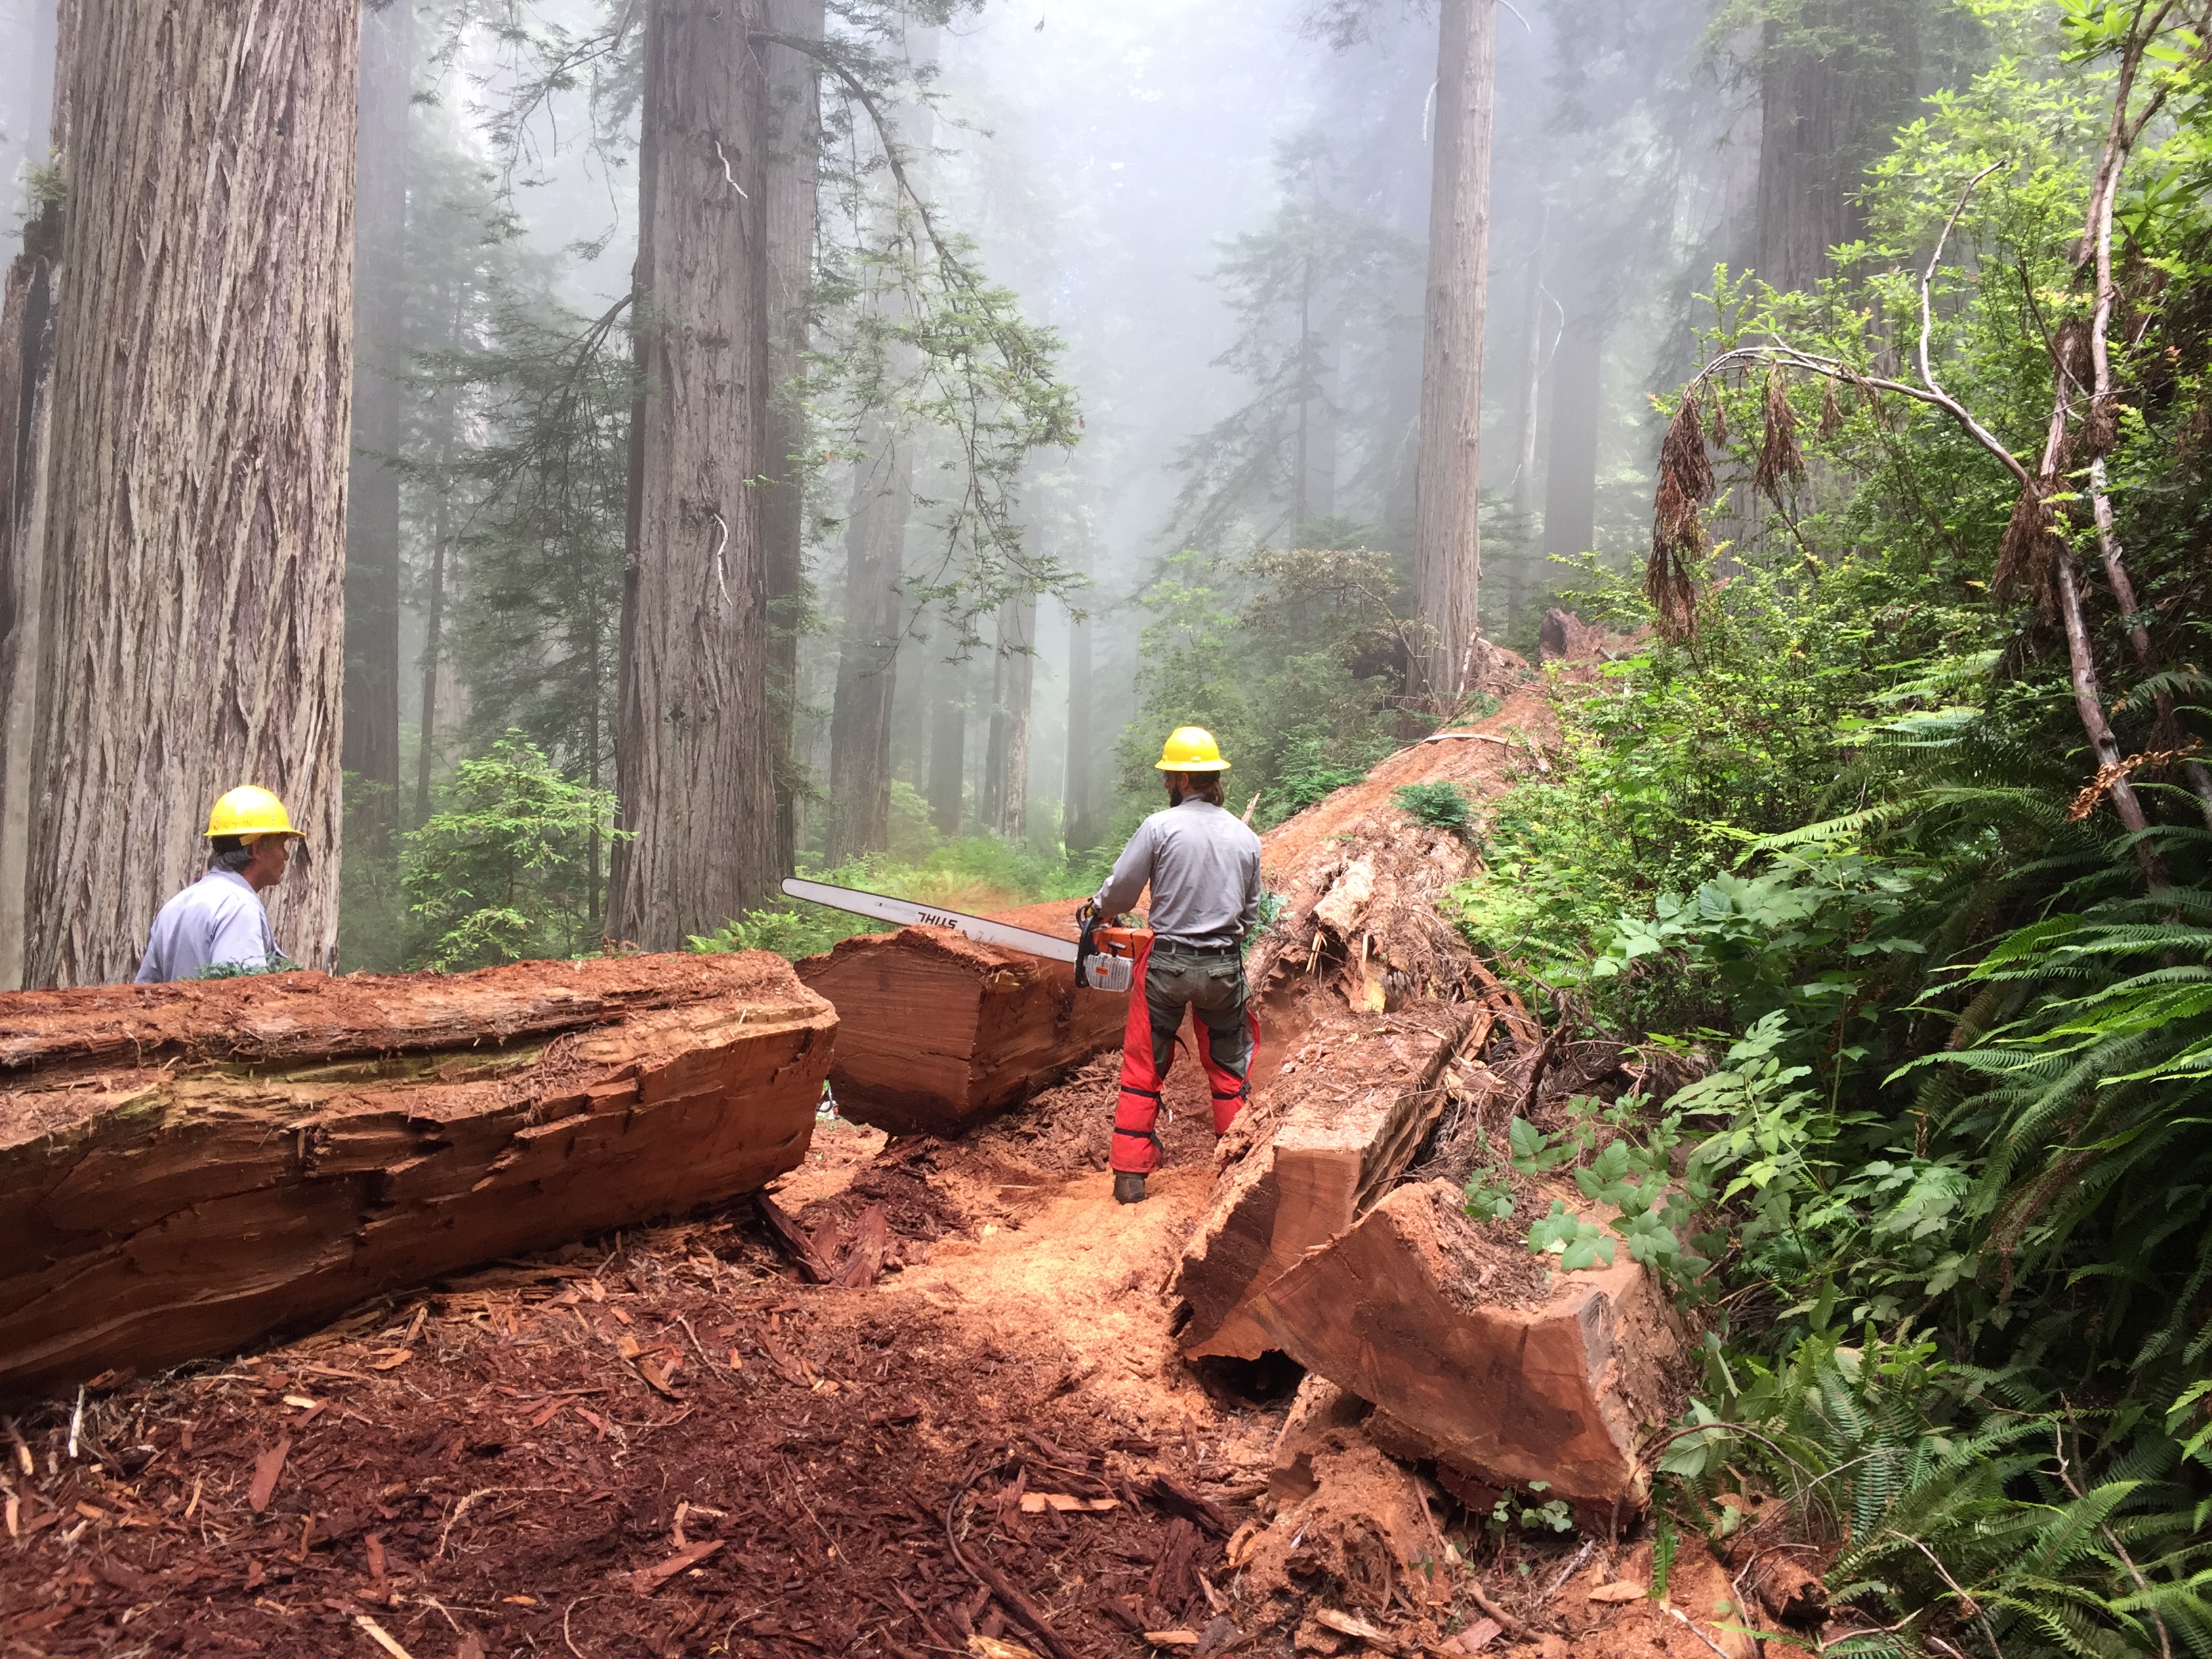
<point>1128,1189</point>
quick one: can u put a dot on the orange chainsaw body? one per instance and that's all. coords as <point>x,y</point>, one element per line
<point>1110,962</point>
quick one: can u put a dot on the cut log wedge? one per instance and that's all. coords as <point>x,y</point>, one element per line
<point>1476,1357</point>
<point>1348,1118</point>
<point>937,1031</point>
<point>184,1167</point>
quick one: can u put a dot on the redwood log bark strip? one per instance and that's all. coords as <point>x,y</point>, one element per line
<point>1480,1360</point>
<point>281,1018</point>
<point>194,556</point>
<point>939,1030</point>
<point>156,1210</point>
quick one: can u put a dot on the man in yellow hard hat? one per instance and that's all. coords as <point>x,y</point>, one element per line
<point>1203,865</point>
<point>218,923</point>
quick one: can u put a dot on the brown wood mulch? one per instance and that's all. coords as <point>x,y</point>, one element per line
<point>661,1444</point>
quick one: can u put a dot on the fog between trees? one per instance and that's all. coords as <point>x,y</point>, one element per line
<point>1204,230</point>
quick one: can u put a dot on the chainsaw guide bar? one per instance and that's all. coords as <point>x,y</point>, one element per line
<point>1109,966</point>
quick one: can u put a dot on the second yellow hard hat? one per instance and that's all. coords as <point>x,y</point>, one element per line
<point>249,809</point>
<point>1190,749</point>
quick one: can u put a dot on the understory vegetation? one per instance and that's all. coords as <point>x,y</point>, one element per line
<point>1844,843</point>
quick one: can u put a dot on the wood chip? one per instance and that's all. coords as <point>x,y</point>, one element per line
<point>390,1360</point>
<point>1036,1503</point>
<point>266,1468</point>
<point>991,1647</point>
<point>1347,1624</point>
<point>1623,1589</point>
<point>1476,1637</point>
<point>628,1346</point>
<point>656,1378</point>
<point>382,1637</point>
<point>1172,1639</point>
<point>646,1580</point>
<point>301,1401</point>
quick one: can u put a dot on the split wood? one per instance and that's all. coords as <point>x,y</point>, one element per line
<point>981,1569</point>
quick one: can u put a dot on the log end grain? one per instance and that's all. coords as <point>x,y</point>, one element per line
<point>1507,1378</point>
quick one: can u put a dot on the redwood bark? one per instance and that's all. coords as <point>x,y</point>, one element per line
<point>27,326</point>
<point>194,574</point>
<point>948,738</point>
<point>1825,116</point>
<point>794,161</point>
<point>1013,682</point>
<point>695,748</point>
<point>1078,804</point>
<point>370,746</point>
<point>1447,537</point>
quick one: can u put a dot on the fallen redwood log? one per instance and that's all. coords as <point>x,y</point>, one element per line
<point>1349,1111</point>
<point>184,1167</point>
<point>937,1029</point>
<point>1477,1356</point>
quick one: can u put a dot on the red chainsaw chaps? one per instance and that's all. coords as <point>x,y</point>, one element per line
<point>1136,1117</point>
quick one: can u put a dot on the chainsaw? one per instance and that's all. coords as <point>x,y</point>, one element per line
<point>1105,957</point>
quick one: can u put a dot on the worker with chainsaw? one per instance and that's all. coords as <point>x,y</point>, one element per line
<point>1203,866</point>
<point>218,924</point>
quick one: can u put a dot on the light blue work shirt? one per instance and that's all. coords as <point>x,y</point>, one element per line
<point>218,921</point>
<point>1203,864</point>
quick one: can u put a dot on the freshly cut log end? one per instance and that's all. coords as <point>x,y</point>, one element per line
<point>184,1167</point>
<point>1477,1358</point>
<point>1346,1119</point>
<point>939,1030</point>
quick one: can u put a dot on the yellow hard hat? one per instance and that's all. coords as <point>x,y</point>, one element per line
<point>1190,749</point>
<point>249,809</point>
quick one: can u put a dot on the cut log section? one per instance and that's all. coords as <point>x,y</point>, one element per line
<point>1349,1111</point>
<point>1476,1355</point>
<point>937,1031</point>
<point>184,1167</point>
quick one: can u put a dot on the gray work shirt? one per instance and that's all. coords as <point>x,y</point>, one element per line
<point>218,921</point>
<point>1204,867</point>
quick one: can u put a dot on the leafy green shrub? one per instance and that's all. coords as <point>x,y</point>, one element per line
<point>1440,804</point>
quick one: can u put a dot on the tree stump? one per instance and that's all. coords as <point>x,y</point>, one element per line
<point>184,1167</point>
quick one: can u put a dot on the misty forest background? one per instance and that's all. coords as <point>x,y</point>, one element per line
<point>1109,367</point>
<point>1214,220</point>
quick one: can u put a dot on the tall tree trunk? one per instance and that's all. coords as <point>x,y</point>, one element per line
<point>1013,680</point>
<point>27,326</point>
<point>434,646</point>
<point>1447,495</point>
<point>794,160</point>
<point>1836,79</point>
<point>1079,802</point>
<point>195,556</point>
<point>948,734</point>
<point>858,818</point>
<point>370,748</point>
<point>1570,464</point>
<point>695,746</point>
<point>875,558</point>
<point>1532,381</point>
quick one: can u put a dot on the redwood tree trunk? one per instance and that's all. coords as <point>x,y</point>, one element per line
<point>1570,482</point>
<point>371,732</point>
<point>1825,115</point>
<point>1013,678</point>
<point>1447,539</point>
<point>875,559</point>
<point>695,746</point>
<point>794,113</point>
<point>195,554</point>
<point>867,655</point>
<point>948,736</point>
